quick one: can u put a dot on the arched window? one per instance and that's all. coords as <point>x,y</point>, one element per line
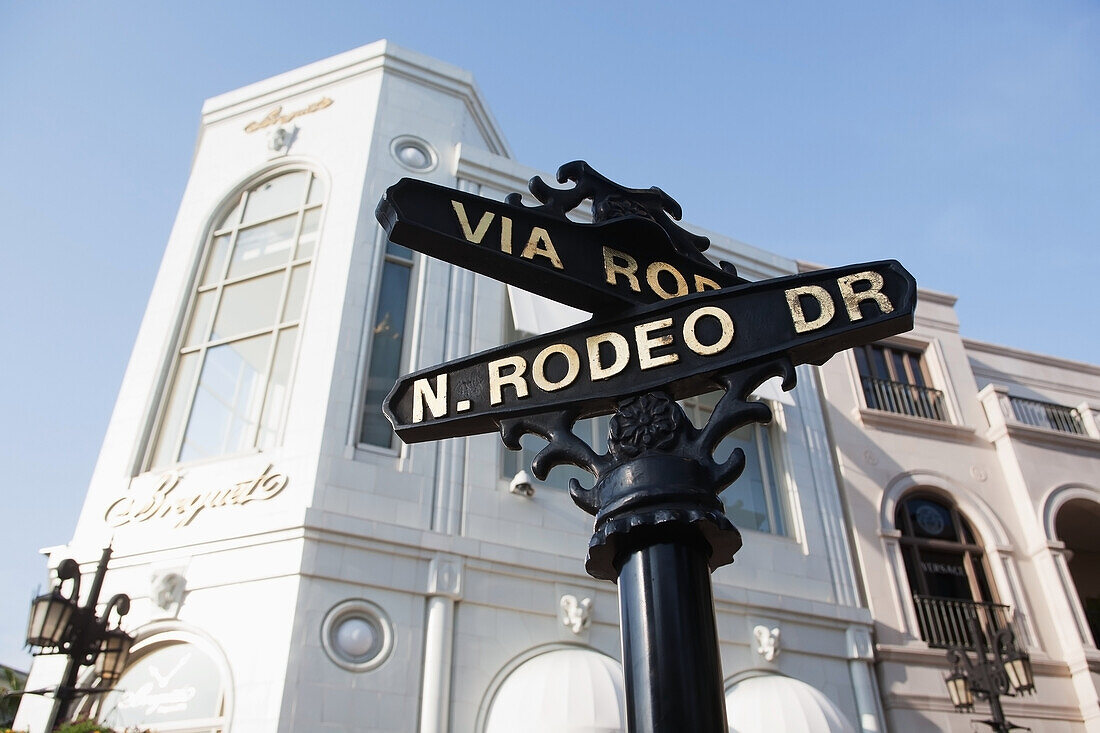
<point>228,390</point>
<point>168,687</point>
<point>944,562</point>
<point>1075,525</point>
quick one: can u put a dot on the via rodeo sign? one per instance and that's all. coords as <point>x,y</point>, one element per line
<point>666,317</point>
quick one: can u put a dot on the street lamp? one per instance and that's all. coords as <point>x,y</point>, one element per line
<point>58,624</point>
<point>1002,668</point>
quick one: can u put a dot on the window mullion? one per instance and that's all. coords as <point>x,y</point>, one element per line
<point>761,456</point>
<point>275,330</point>
<point>185,414</point>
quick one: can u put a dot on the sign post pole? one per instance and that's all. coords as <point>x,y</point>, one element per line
<point>668,325</point>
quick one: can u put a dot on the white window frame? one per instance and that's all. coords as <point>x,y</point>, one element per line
<point>408,344</point>
<point>234,201</point>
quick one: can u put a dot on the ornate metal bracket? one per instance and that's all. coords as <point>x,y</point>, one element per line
<point>611,200</point>
<point>659,473</point>
<point>69,569</point>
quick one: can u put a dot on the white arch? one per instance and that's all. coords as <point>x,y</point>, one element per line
<point>981,517</point>
<point>533,660</point>
<point>1005,577</point>
<point>754,697</point>
<point>169,631</point>
<point>1058,497</point>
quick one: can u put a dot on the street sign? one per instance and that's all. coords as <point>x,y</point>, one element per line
<point>678,346</point>
<point>600,268</point>
<point>668,325</point>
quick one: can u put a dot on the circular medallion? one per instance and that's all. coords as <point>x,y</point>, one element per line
<point>930,520</point>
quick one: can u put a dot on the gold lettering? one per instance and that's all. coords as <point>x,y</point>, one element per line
<point>472,235</point>
<point>271,119</point>
<point>622,355</point>
<point>541,236</point>
<point>651,277</point>
<point>801,325</point>
<point>852,299</point>
<point>538,367</point>
<point>692,339</point>
<point>506,235</point>
<point>628,268</point>
<point>162,503</point>
<point>705,283</point>
<point>276,116</point>
<point>118,513</point>
<point>436,399</point>
<point>270,485</point>
<point>646,360</point>
<point>514,378</point>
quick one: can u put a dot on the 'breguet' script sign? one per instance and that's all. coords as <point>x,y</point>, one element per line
<point>165,502</point>
<point>276,116</point>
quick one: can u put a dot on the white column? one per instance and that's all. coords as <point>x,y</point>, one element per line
<point>861,667</point>
<point>444,590</point>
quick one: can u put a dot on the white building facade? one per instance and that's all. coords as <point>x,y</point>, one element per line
<point>295,567</point>
<point>972,479</point>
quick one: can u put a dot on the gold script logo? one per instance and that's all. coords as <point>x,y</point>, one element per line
<point>162,502</point>
<point>276,116</point>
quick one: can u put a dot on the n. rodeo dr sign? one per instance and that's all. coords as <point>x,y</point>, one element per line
<point>677,345</point>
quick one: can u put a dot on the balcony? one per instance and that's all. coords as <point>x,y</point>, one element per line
<point>904,399</point>
<point>1047,415</point>
<point>943,621</point>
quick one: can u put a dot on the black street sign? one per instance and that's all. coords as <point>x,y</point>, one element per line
<point>677,345</point>
<point>600,268</point>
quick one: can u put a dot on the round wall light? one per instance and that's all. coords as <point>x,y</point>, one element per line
<point>413,153</point>
<point>357,635</point>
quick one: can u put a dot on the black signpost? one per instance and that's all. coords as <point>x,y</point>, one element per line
<point>668,324</point>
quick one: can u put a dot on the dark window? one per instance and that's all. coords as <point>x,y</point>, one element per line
<point>895,380</point>
<point>388,341</point>
<point>946,572</point>
<point>941,554</point>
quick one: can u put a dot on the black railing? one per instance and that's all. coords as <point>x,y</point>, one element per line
<point>906,399</point>
<point>1047,415</point>
<point>944,621</point>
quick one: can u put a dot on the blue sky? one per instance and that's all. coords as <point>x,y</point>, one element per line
<point>959,138</point>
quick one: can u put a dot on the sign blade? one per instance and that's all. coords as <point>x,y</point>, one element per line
<point>599,268</point>
<point>678,345</point>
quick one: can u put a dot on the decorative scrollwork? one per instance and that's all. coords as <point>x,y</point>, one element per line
<point>611,200</point>
<point>659,471</point>
<point>69,569</point>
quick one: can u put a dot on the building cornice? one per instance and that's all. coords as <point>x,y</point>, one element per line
<point>1044,437</point>
<point>380,55</point>
<point>899,423</point>
<point>1031,356</point>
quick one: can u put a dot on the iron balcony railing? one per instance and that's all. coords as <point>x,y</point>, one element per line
<point>944,621</point>
<point>1047,415</point>
<point>906,399</point>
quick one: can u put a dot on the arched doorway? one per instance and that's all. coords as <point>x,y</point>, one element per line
<point>1075,525</point>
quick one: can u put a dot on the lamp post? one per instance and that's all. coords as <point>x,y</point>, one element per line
<point>1001,668</point>
<point>60,625</point>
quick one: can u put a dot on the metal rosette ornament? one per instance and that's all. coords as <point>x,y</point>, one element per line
<point>658,480</point>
